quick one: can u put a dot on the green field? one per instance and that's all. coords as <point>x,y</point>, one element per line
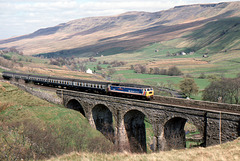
<point>218,39</point>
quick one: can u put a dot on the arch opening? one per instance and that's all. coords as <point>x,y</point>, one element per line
<point>180,133</point>
<point>136,132</point>
<point>103,120</point>
<point>174,133</point>
<point>75,105</point>
<point>194,138</point>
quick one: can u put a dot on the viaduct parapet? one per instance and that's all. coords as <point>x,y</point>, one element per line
<point>122,120</point>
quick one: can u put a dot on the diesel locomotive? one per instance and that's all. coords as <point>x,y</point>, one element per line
<point>109,88</point>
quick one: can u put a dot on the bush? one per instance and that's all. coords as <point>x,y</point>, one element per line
<point>30,139</point>
<point>202,76</point>
<point>174,71</point>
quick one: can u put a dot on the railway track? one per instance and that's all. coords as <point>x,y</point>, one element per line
<point>171,101</point>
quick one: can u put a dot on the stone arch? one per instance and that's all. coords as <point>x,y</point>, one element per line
<point>75,105</point>
<point>136,132</point>
<point>174,132</point>
<point>103,120</point>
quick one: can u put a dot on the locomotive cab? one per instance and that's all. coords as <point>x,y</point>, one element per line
<point>149,93</point>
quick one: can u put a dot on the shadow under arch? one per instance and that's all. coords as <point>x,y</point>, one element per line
<point>182,133</point>
<point>103,120</point>
<point>136,132</point>
<point>75,105</point>
<point>174,133</point>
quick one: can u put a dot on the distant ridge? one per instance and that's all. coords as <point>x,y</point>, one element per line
<point>125,32</point>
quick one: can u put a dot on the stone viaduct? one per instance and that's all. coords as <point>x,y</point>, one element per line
<point>122,120</point>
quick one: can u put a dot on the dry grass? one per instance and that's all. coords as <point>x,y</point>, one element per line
<point>178,62</point>
<point>226,152</point>
<point>2,88</point>
<point>56,71</point>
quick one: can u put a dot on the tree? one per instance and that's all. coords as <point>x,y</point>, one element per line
<point>188,86</point>
<point>202,76</point>
<point>174,71</point>
<point>228,89</point>
<point>99,67</point>
<point>138,68</point>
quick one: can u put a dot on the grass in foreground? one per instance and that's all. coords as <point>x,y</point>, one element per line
<point>228,151</point>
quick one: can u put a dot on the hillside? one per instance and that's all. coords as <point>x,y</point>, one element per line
<point>33,129</point>
<point>125,32</point>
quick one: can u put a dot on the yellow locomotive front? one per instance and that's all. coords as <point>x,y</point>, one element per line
<point>149,93</point>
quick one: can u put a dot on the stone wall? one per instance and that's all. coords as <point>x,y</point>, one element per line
<point>199,104</point>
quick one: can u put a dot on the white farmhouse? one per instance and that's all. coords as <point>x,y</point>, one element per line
<point>183,53</point>
<point>89,71</point>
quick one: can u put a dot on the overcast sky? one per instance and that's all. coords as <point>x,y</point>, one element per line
<point>19,17</point>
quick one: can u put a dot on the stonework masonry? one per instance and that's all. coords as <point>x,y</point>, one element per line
<point>122,120</point>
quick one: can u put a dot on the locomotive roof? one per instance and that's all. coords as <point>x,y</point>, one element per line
<point>79,80</point>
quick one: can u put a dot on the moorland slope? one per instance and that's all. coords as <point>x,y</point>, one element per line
<point>124,32</point>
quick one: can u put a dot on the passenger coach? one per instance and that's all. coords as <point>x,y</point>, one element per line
<point>118,89</point>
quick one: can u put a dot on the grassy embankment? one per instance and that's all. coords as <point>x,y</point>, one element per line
<point>31,128</point>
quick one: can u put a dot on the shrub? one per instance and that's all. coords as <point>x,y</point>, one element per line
<point>174,71</point>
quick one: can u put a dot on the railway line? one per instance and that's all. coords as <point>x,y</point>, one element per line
<point>169,101</point>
